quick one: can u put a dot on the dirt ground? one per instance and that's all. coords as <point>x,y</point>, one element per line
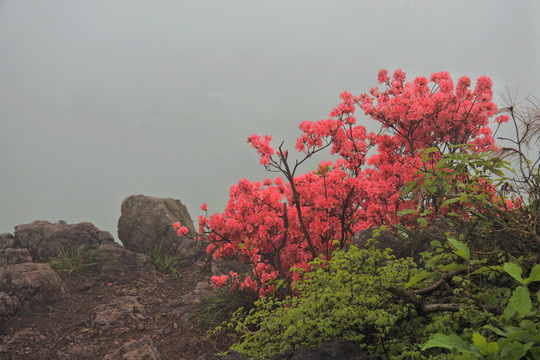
<point>65,328</point>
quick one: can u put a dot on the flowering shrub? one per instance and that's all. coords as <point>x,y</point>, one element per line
<point>279,226</point>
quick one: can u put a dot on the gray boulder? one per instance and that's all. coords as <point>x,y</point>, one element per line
<point>44,239</point>
<point>147,222</point>
<point>115,262</point>
<point>330,349</point>
<point>403,246</point>
<point>25,282</point>
<point>7,241</point>
<point>387,239</point>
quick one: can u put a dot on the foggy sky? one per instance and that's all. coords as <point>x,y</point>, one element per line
<point>100,99</point>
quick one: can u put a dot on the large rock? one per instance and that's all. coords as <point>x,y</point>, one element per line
<point>7,241</point>
<point>44,239</point>
<point>20,283</point>
<point>387,239</point>
<point>329,349</point>
<point>403,246</point>
<point>116,262</point>
<point>147,223</point>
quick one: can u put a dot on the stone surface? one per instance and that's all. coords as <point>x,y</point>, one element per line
<point>44,239</point>
<point>143,349</point>
<point>387,239</point>
<point>116,262</point>
<point>17,256</point>
<point>21,283</point>
<point>329,349</point>
<point>147,222</point>
<point>79,352</point>
<point>33,278</point>
<point>402,246</point>
<point>7,305</point>
<point>118,311</point>
<point>7,241</point>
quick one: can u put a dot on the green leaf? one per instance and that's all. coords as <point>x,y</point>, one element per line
<point>450,342</point>
<point>430,150</point>
<point>450,201</point>
<point>487,269</point>
<point>511,336</point>
<point>452,267</point>
<point>479,340</point>
<point>405,212</point>
<point>462,249</point>
<point>426,212</point>
<point>482,345</point>
<point>496,330</point>
<point>418,277</point>
<point>520,302</point>
<point>514,270</point>
<point>466,356</point>
<point>463,198</point>
<point>422,222</point>
<point>408,188</point>
<point>515,350</point>
<point>441,163</point>
<point>534,275</point>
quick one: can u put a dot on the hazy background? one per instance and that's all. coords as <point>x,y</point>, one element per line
<point>100,99</point>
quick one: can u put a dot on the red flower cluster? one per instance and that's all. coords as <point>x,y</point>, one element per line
<point>277,226</point>
<point>181,231</point>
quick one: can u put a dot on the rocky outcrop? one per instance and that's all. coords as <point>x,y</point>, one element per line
<point>21,283</point>
<point>402,246</point>
<point>116,262</point>
<point>123,307</point>
<point>147,222</point>
<point>7,241</point>
<point>329,349</point>
<point>386,239</point>
<point>43,239</point>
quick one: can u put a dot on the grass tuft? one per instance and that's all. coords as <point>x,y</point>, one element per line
<point>222,303</point>
<point>75,259</point>
<point>163,261</point>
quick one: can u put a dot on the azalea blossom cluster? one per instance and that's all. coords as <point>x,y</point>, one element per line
<point>180,230</point>
<point>279,225</point>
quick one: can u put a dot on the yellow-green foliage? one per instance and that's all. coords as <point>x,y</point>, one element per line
<point>344,297</point>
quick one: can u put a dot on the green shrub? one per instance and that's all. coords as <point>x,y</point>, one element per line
<point>467,287</point>
<point>514,342</point>
<point>344,297</point>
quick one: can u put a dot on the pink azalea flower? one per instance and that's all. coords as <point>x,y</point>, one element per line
<point>182,231</point>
